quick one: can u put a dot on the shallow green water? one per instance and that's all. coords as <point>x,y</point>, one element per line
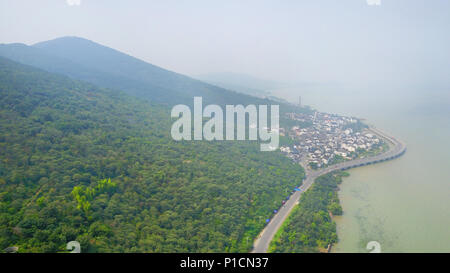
<point>403,204</point>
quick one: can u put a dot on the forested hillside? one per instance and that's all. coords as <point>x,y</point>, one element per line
<point>88,61</point>
<point>309,227</point>
<point>78,162</point>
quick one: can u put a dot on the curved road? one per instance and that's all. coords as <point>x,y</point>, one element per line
<point>397,148</point>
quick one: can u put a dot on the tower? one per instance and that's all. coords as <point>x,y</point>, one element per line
<point>300,101</point>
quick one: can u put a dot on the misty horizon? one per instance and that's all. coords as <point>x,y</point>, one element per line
<point>293,43</point>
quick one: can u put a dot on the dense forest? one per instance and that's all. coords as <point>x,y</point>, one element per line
<point>79,162</point>
<point>309,227</point>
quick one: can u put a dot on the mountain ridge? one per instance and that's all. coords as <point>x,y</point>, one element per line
<point>89,61</point>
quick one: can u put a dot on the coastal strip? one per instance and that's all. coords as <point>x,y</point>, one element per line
<point>397,149</point>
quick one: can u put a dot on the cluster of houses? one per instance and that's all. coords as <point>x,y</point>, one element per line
<point>327,139</point>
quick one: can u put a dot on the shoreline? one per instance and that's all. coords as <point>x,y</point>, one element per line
<point>262,242</point>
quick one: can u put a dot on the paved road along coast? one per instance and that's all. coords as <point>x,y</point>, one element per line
<point>396,149</point>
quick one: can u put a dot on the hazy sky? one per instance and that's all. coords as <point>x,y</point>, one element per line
<point>403,41</point>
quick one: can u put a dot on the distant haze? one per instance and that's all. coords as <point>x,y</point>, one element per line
<point>401,42</point>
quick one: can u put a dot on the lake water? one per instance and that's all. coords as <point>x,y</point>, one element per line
<point>403,204</point>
